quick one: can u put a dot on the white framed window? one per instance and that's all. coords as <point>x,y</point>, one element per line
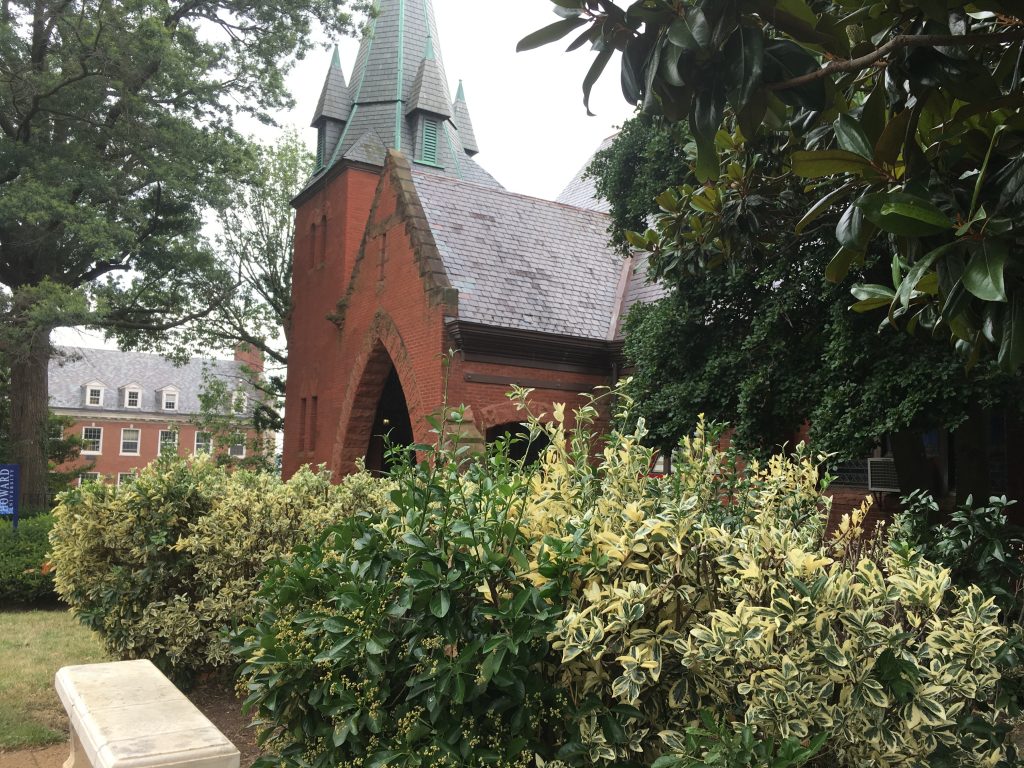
<point>94,396</point>
<point>124,478</point>
<point>92,441</point>
<point>88,477</point>
<point>237,451</point>
<point>204,443</point>
<point>133,398</point>
<point>168,441</point>
<point>169,400</point>
<point>129,442</point>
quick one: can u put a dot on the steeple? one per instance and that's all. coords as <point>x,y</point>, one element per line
<point>398,97</point>
<point>332,111</point>
<point>460,116</point>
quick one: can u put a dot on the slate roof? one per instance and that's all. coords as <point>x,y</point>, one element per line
<point>523,263</point>
<point>463,123</point>
<point>335,102</point>
<point>581,191</point>
<point>429,90</point>
<point>74,367</point>
<point>639,289</point>
<point>399,71</point>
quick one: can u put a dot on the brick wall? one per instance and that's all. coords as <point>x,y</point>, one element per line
<point>110,461</point>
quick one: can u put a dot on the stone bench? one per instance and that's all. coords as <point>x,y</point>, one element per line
<point>126,714</point>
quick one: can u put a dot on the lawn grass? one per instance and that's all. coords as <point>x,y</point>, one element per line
<point>33,646</point>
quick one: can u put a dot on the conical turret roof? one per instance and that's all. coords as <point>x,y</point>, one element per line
<point>335,102</point>
<point>460,116</point>
<point>398,77</point>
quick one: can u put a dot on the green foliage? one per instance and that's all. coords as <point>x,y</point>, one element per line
<point>160,566</point>
<point>977,544</point>
<point>405,636</point>
<point>765,343</point>
<point>117,139</point>
<point>912,110</point>
<point>25,574</point>
<point>228,414</point>
<point>588,613</point>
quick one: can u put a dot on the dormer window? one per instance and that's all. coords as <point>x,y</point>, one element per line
<point>132,397</point>
<point>94,394</point>
<point>168,399</point>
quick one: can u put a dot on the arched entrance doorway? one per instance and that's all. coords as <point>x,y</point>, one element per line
<point>520,447</point>
<point>391,425</point>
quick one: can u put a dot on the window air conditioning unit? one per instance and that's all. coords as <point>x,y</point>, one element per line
<point>882,476</point>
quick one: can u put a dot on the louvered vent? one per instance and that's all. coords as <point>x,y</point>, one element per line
<point>321,148</point>
<point>429,154</point>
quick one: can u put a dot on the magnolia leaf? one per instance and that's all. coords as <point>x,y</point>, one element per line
<point>904,214</point>
<point>871,296</point>
<point>691,31</point>
<point>821,206</point>
<point>889,144</point>
<point>745,54</point>
<point>1011,347</point>
<point>917,272</point>
<point>839,266</point>
<point>600,62</point>
<point>550,33</point>
<point>983,275</point>
<point>829,162</point>
<point>851,136</point>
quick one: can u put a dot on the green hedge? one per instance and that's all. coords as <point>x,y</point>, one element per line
<point>161,566</point>
<point>25,575</point>
<point>583,613</point>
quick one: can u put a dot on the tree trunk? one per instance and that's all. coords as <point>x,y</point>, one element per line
<point>30,407</point>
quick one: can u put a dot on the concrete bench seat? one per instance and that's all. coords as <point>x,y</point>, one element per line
<point>126,714</point>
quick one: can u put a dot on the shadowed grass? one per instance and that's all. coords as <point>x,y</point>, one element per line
<point>33,646</point>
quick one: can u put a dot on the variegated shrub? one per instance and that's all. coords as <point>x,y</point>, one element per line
<point>714,591</point>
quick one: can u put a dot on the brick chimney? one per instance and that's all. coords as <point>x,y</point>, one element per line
<point>250,356</point>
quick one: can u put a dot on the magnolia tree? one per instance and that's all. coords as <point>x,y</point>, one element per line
<point>906,115</point>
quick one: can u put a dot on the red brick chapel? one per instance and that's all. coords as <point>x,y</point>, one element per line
<point>406,248</point>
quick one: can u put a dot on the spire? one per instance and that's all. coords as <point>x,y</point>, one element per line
<point>463,123</point>
<point>400,98</point>
<point>335,102</point>
<point>429,90</point>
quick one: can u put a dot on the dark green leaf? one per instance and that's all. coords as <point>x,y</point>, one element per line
<point>550,33</point>
<point>984,273</point>
<point>851,136</point>
<point>822,205</point>
<point>745,54</point>
<point>600,62</point>
<point>829,162</point>
<point>440,602</point>
<point>1011,347</point>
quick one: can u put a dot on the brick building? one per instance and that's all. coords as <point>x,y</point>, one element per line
<point>129,407</point>
<point>406,248</point>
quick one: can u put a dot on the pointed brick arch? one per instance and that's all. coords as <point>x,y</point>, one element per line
<point>506,412</point>
<point>382,349</point>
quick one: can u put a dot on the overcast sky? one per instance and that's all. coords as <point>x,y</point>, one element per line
<point>527,108</point>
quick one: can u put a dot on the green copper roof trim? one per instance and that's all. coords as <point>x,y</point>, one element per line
<point>359,88</point>
<point>459,94</point>
<point>451,149</point>
<point>429,53</point>
<point>336,58</point>
<point>401,65</point>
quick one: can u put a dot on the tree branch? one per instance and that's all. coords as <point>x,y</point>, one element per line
<point>900,41</point>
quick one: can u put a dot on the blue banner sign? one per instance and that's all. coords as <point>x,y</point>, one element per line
<point>10,480</point>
